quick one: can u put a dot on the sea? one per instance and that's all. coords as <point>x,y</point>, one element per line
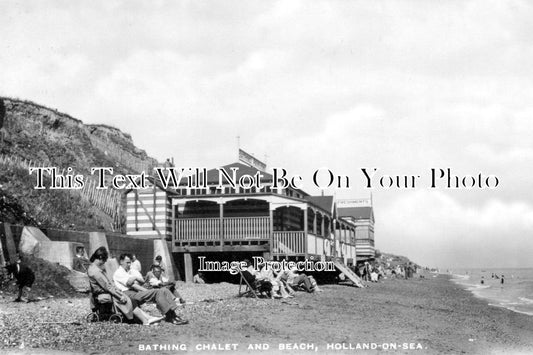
<point>514,293</point>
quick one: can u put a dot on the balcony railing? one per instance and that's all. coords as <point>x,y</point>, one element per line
<point>198,229</point>
<point>250,228</point>
<point>232,227</point>
<point>246,228</point>
<point>288,243</point>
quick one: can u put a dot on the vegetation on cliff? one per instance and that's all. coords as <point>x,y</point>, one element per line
<point>34,135</point>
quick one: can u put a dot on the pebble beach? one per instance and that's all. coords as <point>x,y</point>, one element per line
<point>424,315</point>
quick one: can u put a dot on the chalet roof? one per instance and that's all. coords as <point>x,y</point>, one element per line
<point>324,202</point>
<point>365,212</point>
<point>242,169</point>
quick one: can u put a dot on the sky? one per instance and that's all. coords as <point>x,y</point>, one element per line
<point>401,86</point>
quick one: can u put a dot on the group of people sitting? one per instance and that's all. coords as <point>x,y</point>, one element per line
<point>128,289</point>
<point>283,284</point>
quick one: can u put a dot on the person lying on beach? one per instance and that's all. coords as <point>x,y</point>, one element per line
<point>129,282</point>
<point>102,288</point>
<point>296,280</point>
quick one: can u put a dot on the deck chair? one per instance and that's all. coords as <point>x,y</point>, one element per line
<point>252,286</point>
<point>103,308</point>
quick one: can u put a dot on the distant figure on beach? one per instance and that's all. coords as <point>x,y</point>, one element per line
<point>25,278</point>
<point>501,281</point>
<point>482,280</point>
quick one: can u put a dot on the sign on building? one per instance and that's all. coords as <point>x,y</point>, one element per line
<point>358,202</point>
<point>252,161</point>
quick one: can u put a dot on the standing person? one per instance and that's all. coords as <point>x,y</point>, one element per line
<point>367,270</point>
<point>129,281</point>
<point>25,278</point>
<point>102,288</point>
<point>502,280</point>
<point>135,263</point>
<point>409,270</point>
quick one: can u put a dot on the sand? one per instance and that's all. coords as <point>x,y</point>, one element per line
<point>428,315</point>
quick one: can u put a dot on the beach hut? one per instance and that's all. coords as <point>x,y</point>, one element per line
<point>148,212</point>
<point>360,214</point>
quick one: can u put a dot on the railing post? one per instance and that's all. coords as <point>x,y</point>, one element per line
<point>221,223</point>
<point>271,226</point>
<point>173,225</point>
<point>305,232</point>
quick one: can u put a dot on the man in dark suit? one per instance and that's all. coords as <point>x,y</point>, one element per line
<point>24,275</point>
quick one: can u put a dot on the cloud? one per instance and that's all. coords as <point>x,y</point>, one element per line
<point>403,86</point>
<point>436,230</point>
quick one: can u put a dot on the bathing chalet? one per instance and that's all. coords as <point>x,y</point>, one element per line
<point>234,223</point>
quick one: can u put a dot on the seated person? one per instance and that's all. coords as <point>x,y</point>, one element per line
<point>158,261</point>
<point>198,278</point>
<point>296,280</point>
<point>80,262</point>
<point>266,273</point>
<point>283,277</point>
<point>103,288</point>
<point>135,263</point>
<point>129,282</point>
<point>259,284</point>
<point>156,279</point>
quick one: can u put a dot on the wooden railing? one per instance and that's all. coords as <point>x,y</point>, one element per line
<point>246,228</point>
<point>288,243</point>
<point>198,229</point>
<point>234,228</point>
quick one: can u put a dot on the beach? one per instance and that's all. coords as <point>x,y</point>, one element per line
<point>429,315</point>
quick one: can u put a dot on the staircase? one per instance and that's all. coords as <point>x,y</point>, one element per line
<point>348,273</point>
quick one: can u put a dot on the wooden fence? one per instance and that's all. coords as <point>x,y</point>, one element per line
<point>107,200</point>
